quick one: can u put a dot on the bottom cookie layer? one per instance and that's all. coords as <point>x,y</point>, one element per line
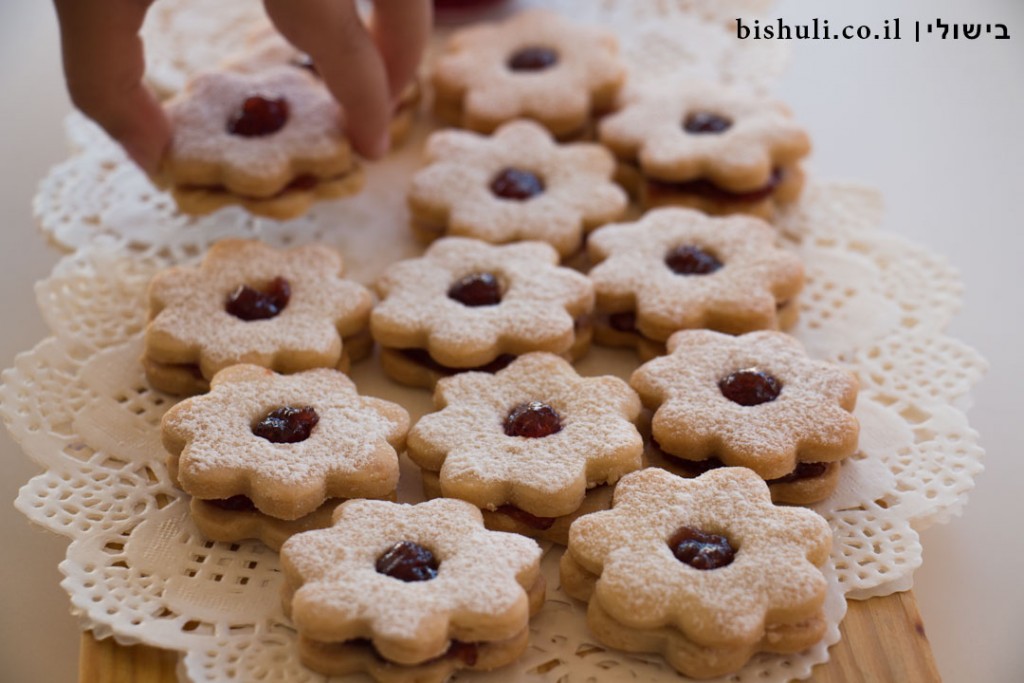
<point>686,655</point>
<point>512,519</point>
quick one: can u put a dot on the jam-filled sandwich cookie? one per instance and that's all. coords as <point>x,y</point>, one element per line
<point>267,49</point>
<point>534,65</point>
<point>270,142</point>
<point>518,184</point>
<point>678,269</point>
<point>468,305</point>
<point>266,455</point>
<point>287,310</point>
<point>534,445</point>
<point>706,572</point>
<point>709,148</point>
<point>754,401</point>
<point>410,592</point>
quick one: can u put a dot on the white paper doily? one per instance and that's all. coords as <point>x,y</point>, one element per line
<point>137,569</point>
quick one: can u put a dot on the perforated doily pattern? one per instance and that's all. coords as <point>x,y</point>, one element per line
<point>137,569</point>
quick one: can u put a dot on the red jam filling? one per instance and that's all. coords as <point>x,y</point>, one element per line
<point>259,116</point>
<point>523,517</point>
<point>700,122</point>
<point>689,259</point>
<point>465,652</point>
<point>476,289</point>
<point>623,322</point>
<point>248,304</point>
<point>533,59</point>
<point>533,420</point>
<point>803,470</point>
<point>708,190</point>
<point>237,503</point>
<point>750,387</point>
<point>408,561</point>
<point>701,550</point>
<point>287,425</point>
<point>516,184</point>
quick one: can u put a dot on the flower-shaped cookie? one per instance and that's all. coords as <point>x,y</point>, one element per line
<point>286,442</point>
<point>755,401</point>
<point>535,435</point>
<point>466,303</point>
<point>704,571</point>
<point>711,143</point>
<point>270,141</point>
<point>418,582</point>
<point>267,49</point>
<point>534,65</point>
<point>518,184</point>
<point>287,310</point>
<point>677,268</point>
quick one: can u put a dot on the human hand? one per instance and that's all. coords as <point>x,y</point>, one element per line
<point>364,68</point>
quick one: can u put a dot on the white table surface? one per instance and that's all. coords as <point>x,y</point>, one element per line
<point>937,126</point>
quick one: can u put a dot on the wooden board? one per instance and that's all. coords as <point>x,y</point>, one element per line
<point>883,641</point>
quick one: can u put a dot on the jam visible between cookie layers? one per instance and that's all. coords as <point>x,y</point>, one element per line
<point>467,653</point>
<point>476,289</point>
<point>288,424</point>
<point>623,322</point>
<point>516,184</point>
<point>750,387</point>
<point>249,304</point>
<point>689,259</point>
<point>708,190</point>
<point>533,420</point>
<point>534,58</point>
<point>408,561</point>
<point>701,550</point>
<point>237,503</point>
<point>523,517</point>
<point>259,116</point>
<point>701,122</point>
<point>803,470</point>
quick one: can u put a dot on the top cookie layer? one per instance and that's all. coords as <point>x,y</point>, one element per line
<point>478,594</point>
<point>571,71</point>
<point>774,576</point>
<point>205,153</point>
<point>738,282</point>
<point>539,302</point>
<point>190,325</point>
<point>349,452</point>
<point>683,131</point>
<point>573,186</point>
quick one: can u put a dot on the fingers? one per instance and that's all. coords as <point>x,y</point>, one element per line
<point>104,66</point>
<point>401,29</point>
<point>332,34</point>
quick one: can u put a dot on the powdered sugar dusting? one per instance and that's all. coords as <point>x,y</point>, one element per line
<point>548,476</point>
<point>204,152</point>
<point>539,303</point>
<point>773,578</point>
<point>350,452</point>
<point>472,72</point>
<point>454,190</point>
<point>649,129</point>
<point>191,326</point>
<point>480,586</point>
<point>810,421</point>
<point>743,295</point>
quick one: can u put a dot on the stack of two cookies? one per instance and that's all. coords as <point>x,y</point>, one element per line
<point>265,455</point>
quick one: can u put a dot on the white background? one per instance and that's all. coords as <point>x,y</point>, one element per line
<point>937,126</point>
